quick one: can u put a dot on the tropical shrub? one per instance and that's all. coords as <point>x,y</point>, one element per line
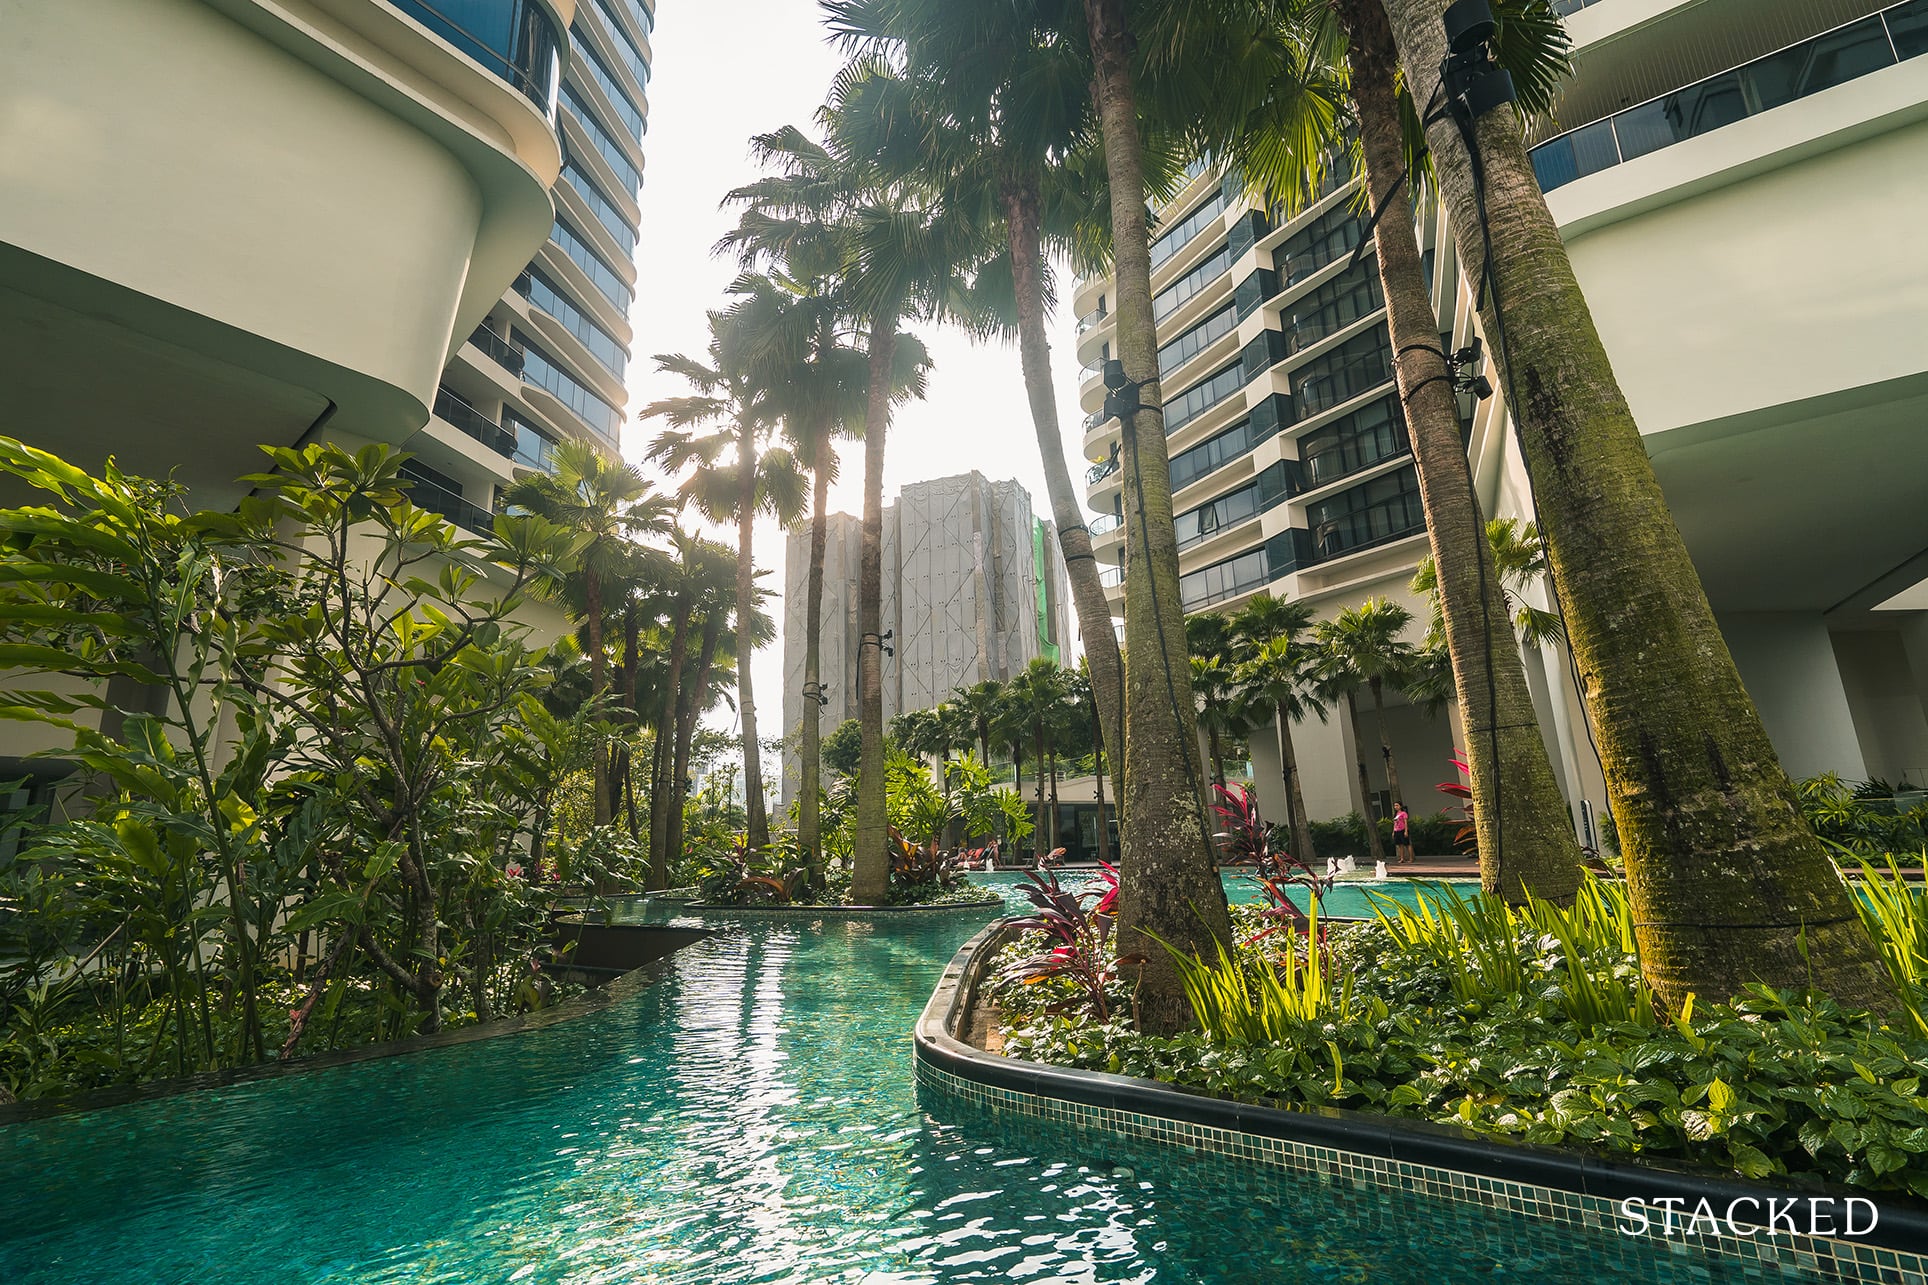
<point>322,757</point>
<point>1534,1022</point>
<point>1866,818</point>
<point>1895,912</point>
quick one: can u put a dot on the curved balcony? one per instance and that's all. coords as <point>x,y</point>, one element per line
<point>519,40</point>
<point>1848,52</point>
<point>1100,430</point>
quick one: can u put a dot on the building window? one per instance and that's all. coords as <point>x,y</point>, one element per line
<point>1186,230</point>
<point>544,371</point>
<point>1370,435</point>
<point>1375,512</point>
<point>535,286</point>
<point>1202,396</point>
<point>1194,341</point>
<point>600,274</point>
<point>1361,363</point>
<point>1173,296</point>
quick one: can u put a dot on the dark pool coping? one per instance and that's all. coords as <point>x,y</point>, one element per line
<point>618,989</point>
<point>1418,1142</point>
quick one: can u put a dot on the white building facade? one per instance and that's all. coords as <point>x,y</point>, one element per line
<point>229,223</point>
<point>1740,185</point>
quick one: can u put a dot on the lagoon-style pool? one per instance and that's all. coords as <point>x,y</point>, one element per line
<point>751,1117</point>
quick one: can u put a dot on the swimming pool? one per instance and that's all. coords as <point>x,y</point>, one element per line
<point>1347,899</point>
<point>749,1118</point>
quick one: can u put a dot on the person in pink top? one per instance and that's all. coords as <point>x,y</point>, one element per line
<point>1402,839</point>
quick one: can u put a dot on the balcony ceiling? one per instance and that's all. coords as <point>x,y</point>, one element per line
<point>1805,507</point>
<point>1688,43</point>
<point>84,386</point>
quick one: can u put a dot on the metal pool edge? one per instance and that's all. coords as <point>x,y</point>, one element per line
<point>616,990</point>
<point>1545,1183</point>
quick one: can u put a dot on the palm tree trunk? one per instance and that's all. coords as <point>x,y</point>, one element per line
<point>1729,884</point>
<point>758,822</point>
<point>679,783</point>
<point>1021,220</point>
<point>1037,770</point>
<point>1302,846</point>
<point>598,682</point>
<point>870,858</point>
<point>1098,780</point>
<point>667,724</point>
<point>1385,740</point>
<point>809,834</point>
<point>1525,843</point>
<point>1374,844</point>
<point>1169,884</point>
<point>1218,754</point>
<point>1054,798</point>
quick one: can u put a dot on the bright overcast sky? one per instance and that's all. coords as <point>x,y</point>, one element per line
<point>722,71</point>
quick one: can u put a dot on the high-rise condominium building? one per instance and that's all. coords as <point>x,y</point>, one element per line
<point>227,223</point>
<point>1739,185</point>
<point>973,590</point>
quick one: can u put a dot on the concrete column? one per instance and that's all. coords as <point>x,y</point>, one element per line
<point>1914,642</point>
<point>1327,776</point>
<point>1787,661</point>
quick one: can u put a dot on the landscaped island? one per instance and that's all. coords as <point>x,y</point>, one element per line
<point>1533,1023</point>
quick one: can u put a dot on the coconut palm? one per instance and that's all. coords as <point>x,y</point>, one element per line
<point>902,257</point>
<point>732,472</point>
<point>980,704</point>
<point>1033,695</point>
<point>981,106</point>
<point>1362,647</point>
<point>1689,767</point>
<point>699,597</point>
<point>608,507</point>
<point>1078,683</point>
<point>1276,672</point>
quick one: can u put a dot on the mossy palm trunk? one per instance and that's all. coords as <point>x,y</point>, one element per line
<point>870,873</point>
<point>810,756</point>
<point>1729,885</point>
<point>1525,842</point>
<point>758,820</point>
<point>1168,882</point>
<point>1022,213</point>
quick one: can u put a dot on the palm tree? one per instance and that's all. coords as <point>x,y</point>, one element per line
<point>1689,767</point>
<point>902,257</point>
<point>733,472</point>
<point>1170,885</point>
<point>1033,694</point>
<point>1213,687</point>
<point>607,506</point>
<point>1078,681</point>
<point>1333,101</point>
<point>1276,671</point>
<point>699,599</point>
<point>980,106</point>
<point>1362,647</point>
<point>980,705</point>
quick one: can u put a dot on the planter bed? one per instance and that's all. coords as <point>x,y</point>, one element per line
<point>1364,1150</point>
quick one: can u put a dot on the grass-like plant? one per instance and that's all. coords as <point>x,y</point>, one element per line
<point>1271,1000</point>
<point>1896,915</point>
<point>1490,951</point>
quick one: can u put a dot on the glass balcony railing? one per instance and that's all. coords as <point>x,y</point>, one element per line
<point>499,350</point>
<point>1112,577</point>
<point>1094,419</point>
<point>515,39</point>
<point>1847,52</point>
<point>1100,471</point>
<point>1104,524</point>
<point>427,491</point>
<point>533,447</point>
<point>1092,318</point>
<point>451,409</point>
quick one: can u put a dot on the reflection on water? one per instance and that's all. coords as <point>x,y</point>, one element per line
<point>749,1119</point>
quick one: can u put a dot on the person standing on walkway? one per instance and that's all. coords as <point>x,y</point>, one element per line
<point>1402,839</point>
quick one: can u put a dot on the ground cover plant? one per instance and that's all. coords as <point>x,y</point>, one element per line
<point>1533,1022</point>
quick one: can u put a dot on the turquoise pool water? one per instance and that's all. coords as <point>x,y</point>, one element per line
<point>1346,899</point>
<point>751,1118</point>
